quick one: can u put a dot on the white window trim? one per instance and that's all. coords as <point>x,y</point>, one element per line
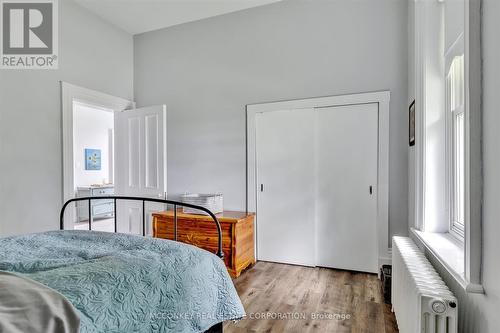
<point>473,143</point>
<point>445,248</point>
<point>472,248</point>
<point>449,252</point>
<point>455,229</point>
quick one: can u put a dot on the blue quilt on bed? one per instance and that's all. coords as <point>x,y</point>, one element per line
<point>126,283</point>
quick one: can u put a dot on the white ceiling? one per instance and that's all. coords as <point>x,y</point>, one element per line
<point>137,16</point>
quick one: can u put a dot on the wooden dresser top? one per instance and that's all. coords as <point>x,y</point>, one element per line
<point>226,216</point>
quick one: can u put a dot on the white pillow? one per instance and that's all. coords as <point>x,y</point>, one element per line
<point>28,306</point>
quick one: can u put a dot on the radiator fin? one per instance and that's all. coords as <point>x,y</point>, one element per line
<point>420,299</point>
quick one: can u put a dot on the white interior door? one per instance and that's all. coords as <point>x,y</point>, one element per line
<point>346,204</point>
<point>285,187</point>
<point>140,164</point>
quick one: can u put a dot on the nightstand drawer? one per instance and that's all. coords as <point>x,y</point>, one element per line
<point>102,208</point>
<point>103,191</point>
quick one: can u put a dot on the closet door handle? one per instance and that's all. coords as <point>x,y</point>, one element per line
<point>262,187</point>
<point>371,190</point>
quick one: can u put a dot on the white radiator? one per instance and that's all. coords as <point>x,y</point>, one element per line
<point>420,299</point>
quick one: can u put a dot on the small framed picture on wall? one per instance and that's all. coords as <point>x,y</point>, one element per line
<point>92,159</point>
<point>411,124</point>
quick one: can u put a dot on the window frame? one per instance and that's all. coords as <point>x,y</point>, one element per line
<point>455,228</point>
<point>428,19</point>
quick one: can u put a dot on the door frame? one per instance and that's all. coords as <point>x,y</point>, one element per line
<point>69,94</point>
<point>382,98</point>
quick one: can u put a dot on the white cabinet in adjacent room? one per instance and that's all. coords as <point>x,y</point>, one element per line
<point>103,208</point>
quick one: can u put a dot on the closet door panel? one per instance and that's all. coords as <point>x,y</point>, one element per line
<point>346,191</point>
<point>285,186</point>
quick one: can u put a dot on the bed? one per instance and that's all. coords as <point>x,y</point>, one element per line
<point>127,283</point>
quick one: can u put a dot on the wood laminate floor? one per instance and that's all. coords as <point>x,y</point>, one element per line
<point>287,298</point>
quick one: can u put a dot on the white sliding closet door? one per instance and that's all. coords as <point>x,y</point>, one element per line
<point>346,197</point>
<point>285,186</point>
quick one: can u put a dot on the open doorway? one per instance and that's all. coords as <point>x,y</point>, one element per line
<point>93,168</point>
<point>111,147</point>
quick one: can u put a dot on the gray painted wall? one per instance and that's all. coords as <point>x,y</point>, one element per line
<point>411,98</point>
<point>480,313</point>
<point>454,21</point>
<point>93,54</point>
<point>207,71</point>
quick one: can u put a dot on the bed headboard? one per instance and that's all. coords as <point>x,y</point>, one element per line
<point>115,198</point>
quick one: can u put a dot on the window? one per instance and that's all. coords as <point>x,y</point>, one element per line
<point>447,176</point>
<point>455,107</point>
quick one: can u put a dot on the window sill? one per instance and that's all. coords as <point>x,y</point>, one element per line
<point>449,252</point>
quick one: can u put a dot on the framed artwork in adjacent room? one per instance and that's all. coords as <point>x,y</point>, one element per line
<point>92,159</point>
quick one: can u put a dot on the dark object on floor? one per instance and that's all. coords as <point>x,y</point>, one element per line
<point>386,277</point>
<point>217,328</point>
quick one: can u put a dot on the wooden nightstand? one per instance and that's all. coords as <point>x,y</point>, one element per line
<point>200,230</point>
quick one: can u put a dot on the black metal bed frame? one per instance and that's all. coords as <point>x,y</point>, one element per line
<point>219,253</point>
<point>217,328</point>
